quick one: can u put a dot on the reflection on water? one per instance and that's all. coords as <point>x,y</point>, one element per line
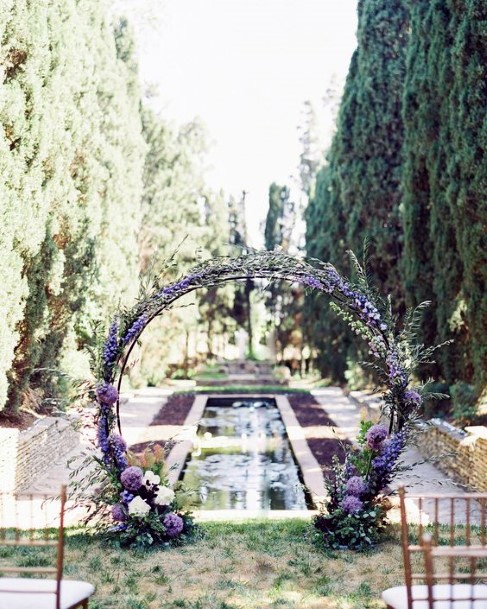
<point>243,460</point>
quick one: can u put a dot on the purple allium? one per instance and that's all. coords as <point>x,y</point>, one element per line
<point>356,486</point>
<point>375,436</point>
<point>173,524</point>
<point>135,329</point>
<point>107,394</point>
<point>351,504</point>
<point>413,397</point>
<point>110,349</point>
<point>132,478</point>
<point>118,513</point>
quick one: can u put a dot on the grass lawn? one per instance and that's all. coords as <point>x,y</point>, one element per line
<point>249,565</point>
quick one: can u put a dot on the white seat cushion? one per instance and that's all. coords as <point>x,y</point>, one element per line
<point>27,593</point>
<point>397,597</point>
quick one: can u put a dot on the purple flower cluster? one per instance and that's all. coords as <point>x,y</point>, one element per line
<point>173,524</point>
<point>106,394</point>
<point>412,397</point>
<point>375,436</point>
<point>126,496</point>
<point>132,478</point>
<point>135,329</point>
<point>351,504</point>
<point>118,448</point>
<point>180,286</point>
<point>119,513</point>
<point>394,369</point>
<point>356,486</point>
<point>384,464</point>
<point>102,431</point>
<point>311,282</point>
<point>110,349</point>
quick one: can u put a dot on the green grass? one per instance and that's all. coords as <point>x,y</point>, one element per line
<point>246,565</point>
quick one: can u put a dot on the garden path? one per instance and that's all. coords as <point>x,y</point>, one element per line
<point>423,478</point>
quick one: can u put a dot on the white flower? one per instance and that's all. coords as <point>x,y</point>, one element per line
<point>138,507</point>
<point>164,496</point>
<point>151,478</point>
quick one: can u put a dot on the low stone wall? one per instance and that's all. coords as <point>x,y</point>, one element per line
<point>24,455</point>
<point>461,454</point>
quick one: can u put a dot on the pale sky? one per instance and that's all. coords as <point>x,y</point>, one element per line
<point>246,67</point>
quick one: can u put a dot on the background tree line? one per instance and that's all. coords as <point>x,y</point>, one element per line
<point>94,185</point>
<point>407,169</point>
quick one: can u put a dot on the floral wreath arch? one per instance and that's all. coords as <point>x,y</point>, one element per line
<point>393,352</point>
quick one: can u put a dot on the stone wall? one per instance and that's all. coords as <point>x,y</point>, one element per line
<point>461,454</point>
<point>24,455</point>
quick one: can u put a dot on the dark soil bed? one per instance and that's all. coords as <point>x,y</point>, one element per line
<point>311,414</point>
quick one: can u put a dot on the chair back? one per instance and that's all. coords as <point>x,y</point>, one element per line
<point>445,549</point>
<point>34,521</point>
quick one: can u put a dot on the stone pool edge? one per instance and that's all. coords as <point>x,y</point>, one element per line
<point>310,469</point>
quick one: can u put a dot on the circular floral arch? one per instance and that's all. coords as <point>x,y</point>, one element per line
<point>391,351</point>
<point>144,507</point>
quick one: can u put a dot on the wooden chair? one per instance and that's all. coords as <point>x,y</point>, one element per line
<point>445,559</point>
<point>31,590</point>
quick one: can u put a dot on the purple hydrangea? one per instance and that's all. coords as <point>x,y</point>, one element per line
<point>118,513</point>
<point>126,496</point>
<point>351,504</point>
<point>413,397</point>
<point>135,329</point>
<point>110,349</point>
<point>107,394</point>
<point>375,436</point>
<point>173,524</point>
<point>356,486</point>
<point>132,478</point>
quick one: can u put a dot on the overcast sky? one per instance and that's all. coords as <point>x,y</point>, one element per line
<point>246,67</point>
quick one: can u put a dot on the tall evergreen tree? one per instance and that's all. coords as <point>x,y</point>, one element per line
<point>358,192</point>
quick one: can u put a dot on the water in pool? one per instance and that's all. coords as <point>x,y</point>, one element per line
<point>242,459</point>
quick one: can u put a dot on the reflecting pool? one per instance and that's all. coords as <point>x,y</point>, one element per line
<point>242,458</point>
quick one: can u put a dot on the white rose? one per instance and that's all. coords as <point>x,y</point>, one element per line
<point>164,496</point>
<point>151,478</point>
<point>138,507</point>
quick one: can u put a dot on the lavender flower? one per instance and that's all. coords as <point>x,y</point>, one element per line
<point>119,449</point>
<point>118,513</point>
<point>110,349</point>
<point>351,504</point>
<point>106,394</point>
<point>413,397</point>
<point>135,329</point>
<point>356,486</point>
<point>173,524</point>
<point>102,433</point>
<point>384,464</point>
<point>394,369</point>
<point>132,478</point>
<point>311,282</point>
<point>375,436</point>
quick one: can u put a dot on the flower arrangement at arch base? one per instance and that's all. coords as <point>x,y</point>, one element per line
<point>355,514</point>
<point>134,502</point>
